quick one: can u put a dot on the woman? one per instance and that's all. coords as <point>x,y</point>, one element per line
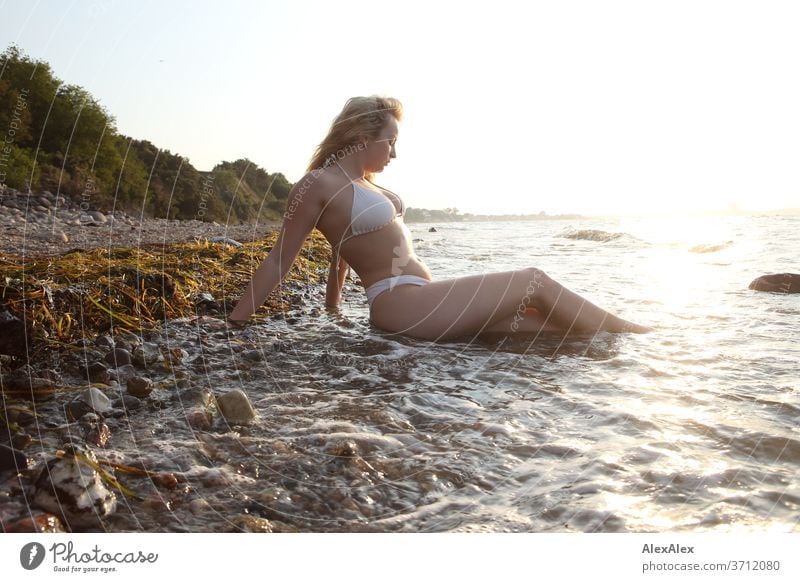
<point>364,224</point>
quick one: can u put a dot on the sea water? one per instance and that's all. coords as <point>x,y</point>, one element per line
<point>693,427</point>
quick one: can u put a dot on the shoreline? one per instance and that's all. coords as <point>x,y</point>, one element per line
<point>46,224</point>
<point>86,354</point>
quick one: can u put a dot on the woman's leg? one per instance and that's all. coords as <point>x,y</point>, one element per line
<point>469,305</point>
<point>530,321</point>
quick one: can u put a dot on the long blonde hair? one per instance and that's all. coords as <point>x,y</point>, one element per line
<point>359,116</point>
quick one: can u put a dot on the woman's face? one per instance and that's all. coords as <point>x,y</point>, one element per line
<point>381,150</point>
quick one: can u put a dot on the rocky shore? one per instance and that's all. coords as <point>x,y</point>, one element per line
<point>89,361</point>
<point>44,223</point>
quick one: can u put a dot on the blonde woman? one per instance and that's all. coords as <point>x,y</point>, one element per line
<point>364,224</point>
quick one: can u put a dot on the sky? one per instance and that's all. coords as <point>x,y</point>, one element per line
<point>510,107</point>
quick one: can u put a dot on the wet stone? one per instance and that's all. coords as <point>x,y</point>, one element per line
<point>17,414</point>
<point>20,440</point>
<point>198,419</point>
<point>104,341</point>
<point>95,400</point>
<point>123,373</point>
<point>118,357</point>
<point>37,523</point>
<point>127,403</point>
<point>176,355</point>
<point>235,407</point>
<point>96,431</point>
<point>131,339</point>
<point>146,355</point>
<point>123,345</point>
<point>12,334</point>
<point>24,383</point>
<point>777,283</point>
<point>97,372</point>
<point>51,375</point>
<point>206,303</point>
<point>73,490</point>
<point>344,448</point>
<point>12,459</point>
<point>253,355</point>
<point>139,386</point>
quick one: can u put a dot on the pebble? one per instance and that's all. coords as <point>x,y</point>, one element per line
<point>118,357</point>
<point>123,345</point>
<point>166,480</point>
<point>12,334</point>
<point>146,355</point>
<point>127,403</point>
<point>51,375</point>
<point>176,355</point>
<point>205,302</point>
<point>19,414</point>
<point>37,523</point>
<point>12,459</point>
<point>139,386</point>
<point>98,372</point>
<point>344,448</point>
<point>235,407</point>
<point>225,240</point>
<point>131,340</point>
<point>199,506</point>
<point>252,524</point>
<point>96,432</point>
<point>96,400</point>
<point>198,419</point>
<point>253,355</point>
<point>123,373</point>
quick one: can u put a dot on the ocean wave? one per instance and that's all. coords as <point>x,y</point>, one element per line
<point>710,248</point>
<point>594,235</point>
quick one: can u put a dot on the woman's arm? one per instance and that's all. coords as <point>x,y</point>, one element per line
<point>336,278</point>
<point>299,220</point>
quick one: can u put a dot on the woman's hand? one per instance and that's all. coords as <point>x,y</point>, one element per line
<point>336,278</point>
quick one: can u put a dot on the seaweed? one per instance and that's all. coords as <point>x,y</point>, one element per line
<point>67,297</point>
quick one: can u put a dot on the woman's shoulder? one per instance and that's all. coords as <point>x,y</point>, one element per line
<point>318,181</point>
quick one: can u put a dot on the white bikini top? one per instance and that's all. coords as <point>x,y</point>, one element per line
<point>371,209</point>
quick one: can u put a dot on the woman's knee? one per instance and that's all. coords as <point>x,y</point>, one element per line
<point>535,277</point>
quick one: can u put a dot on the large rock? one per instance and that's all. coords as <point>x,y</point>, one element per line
<point>780,283</point>
<point>70,488</point>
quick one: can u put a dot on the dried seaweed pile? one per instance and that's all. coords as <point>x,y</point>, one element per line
<point>69,296</point>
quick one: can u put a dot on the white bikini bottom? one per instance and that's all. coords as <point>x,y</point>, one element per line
<point>389,283</point>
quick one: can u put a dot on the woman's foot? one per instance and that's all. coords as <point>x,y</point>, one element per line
<point>636,328</point>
